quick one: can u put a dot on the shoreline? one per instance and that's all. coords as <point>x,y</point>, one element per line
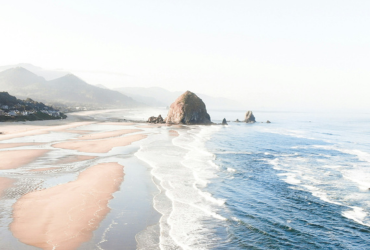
<point>70,148</point>
<point>60,170</point>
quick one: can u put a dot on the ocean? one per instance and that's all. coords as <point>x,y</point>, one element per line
<point>300,182</point>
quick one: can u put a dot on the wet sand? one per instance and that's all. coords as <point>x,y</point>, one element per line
<point>64,216</point>
<point>15,131</point>
<point>17,158</point>
<point>100,146</point>
<point>104,135</point>
<point>5,183</point>
<point>42,169</point>
<point>151,126</point>
<point>119,123</point>
<point>173,133</point>
<point>76,131</point>
<point>74,158</point>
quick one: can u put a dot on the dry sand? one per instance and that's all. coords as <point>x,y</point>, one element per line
<point>4,184</point>
<point>99,146</point>
<point>17,158</point>
<point>109,134</point>
<point>64,216</point>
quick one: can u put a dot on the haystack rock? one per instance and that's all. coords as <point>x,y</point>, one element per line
<point>224,122</point>
<point>249,117</point>
<point>188,109</point>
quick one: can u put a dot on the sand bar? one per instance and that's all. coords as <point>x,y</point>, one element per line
<point>17,158</point>
<point>4,184</point>
<point>100,146</point>
<point>15,145</point>
<point>109,134</point>
<point>65,216</point>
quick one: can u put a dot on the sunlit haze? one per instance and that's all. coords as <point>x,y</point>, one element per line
<point>269,55</point>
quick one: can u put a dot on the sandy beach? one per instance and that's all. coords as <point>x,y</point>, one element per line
<point>70,178</point>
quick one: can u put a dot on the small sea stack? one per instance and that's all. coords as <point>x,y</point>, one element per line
<point>188,109</point>
<point>249,117</point>
<point>224,122</point>
<point>268,121</point>
<point>154,119</point>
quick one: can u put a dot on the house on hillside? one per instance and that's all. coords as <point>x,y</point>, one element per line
<point>6,107</point>
<point>12,113</point>
<point>25,113</point>
<point>2,112</point>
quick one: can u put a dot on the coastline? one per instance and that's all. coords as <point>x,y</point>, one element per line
<point>36,168</point>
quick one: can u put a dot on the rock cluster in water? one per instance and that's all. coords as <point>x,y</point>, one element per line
<point>154,119</point>
<point>188,109</point>
<point>249,117</point>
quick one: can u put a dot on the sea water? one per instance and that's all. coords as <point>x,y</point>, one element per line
<point>300,182</point>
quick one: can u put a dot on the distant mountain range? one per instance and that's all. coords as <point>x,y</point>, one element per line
<point>62,88</point>
<point>45,73</point>
<point>65,90</point>
<point>155,96</point>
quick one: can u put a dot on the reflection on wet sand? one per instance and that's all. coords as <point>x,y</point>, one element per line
<point>17,158</point>
<point>11,131</point>
<point>64,216</point>
<point>104,135</point>
<point>100,146</point>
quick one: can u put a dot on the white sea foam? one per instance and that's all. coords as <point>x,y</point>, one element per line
<point>357,214</point>
<point>182,172</point>
<point>290,178</point>
<point>329,182</point>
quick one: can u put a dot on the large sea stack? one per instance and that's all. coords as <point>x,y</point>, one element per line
<point>188,109</point>
<point>249,117</point>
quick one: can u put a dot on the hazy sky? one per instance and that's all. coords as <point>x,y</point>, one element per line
<point>266,54</point>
